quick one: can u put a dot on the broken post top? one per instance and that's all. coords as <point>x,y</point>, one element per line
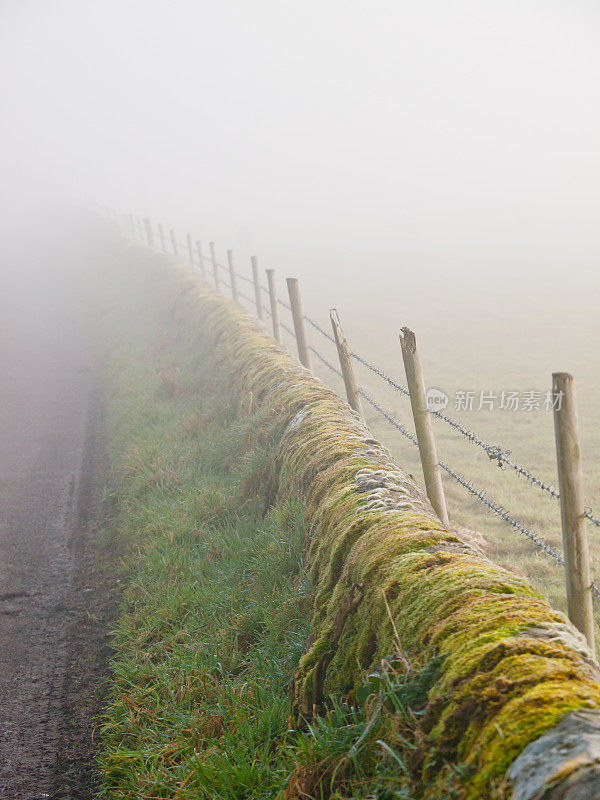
<point>408,340</point>
<point>562,378</point>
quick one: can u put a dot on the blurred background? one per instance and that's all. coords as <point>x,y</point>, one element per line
<point>428,164</point>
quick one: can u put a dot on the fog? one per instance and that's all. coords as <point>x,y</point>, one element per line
<point>453,144</point>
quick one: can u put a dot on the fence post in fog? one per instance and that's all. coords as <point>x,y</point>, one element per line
<point>132,224</point>
<point>161,235</point>
<point>214,263</point>
<point>424,429</point>
<point>149,233</point>
<point>174,242</point>
<point>346,365</point>
<point>257,289</point>
<point>572,505</point>
<point>232,276</point>
<point>201,258</point>
<point>140,231</point>
<point>274,304</point>
<point>299,322</point>
<point>190,250</point>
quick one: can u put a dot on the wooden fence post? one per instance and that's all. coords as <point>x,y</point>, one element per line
<point>257,289</point>
<point>274,304</point>
<point>345,358</point>
<point>299,323</point>
<point>572,505</point>
<point>232,276</point>
<point>132,224</point>
<point>190,250</point>
<point>149,233</point>
<point>174,242</point>
<point>424,429</point>
<point>140,231</point>
<point>161,235</point>
<point>201,259</point>
<point>214,263</point>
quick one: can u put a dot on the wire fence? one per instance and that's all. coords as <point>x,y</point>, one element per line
<point>494,452</point>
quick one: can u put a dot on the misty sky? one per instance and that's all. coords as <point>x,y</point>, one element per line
<point>352,134</point>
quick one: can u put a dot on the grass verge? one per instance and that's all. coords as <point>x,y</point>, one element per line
<point>217,605</point>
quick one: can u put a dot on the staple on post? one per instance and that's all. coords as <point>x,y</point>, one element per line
<point>274,305</point>
<point>424,429</point>
<point>174,242</point>
<point>257,289</point>
<point>232,275</point>
<point>346,365</point>
<point>299,322</point>
<point>214,263</point>
<point>572,505</point>
<point>201,258</point>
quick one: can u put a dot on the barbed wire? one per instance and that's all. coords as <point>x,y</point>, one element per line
<point>494,452</point>
<point>325,361</point>
<point>288,330</point>
<point>317,327</point>
<point>477,493</point>
<point>589,516</point>
<point>245,296</point>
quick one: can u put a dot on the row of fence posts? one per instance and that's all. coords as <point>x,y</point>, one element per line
<point>570,470</point>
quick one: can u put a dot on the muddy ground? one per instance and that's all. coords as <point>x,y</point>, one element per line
<point>57,586</point>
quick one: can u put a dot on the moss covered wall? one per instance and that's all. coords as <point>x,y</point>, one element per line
<point>391,581</point>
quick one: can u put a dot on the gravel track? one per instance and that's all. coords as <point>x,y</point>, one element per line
<point>54,607</point>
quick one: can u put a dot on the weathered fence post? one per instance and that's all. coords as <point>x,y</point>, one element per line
<point>161,235</point>
<point>214,263</point>
<point>424,429</point>
<point>232,276</point>
<point>140,230</point>
<point>190,250</point>
<point>257,289</point>
<point>345,358</point>
<point>299,322</point>
<point>174,242</point>
<point>572,505</point>
<point>274,304</point>
<point>149,233</point>
<point>201,258</point>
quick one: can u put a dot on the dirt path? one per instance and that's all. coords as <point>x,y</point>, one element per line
<point>53,645</point>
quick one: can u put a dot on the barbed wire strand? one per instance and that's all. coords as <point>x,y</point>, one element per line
<point>479,494</point>
<point>494,452</point>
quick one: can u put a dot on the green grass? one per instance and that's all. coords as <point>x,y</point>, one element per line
<point>216,614</point>
<point>217,603</point>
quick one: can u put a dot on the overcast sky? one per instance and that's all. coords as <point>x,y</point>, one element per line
<point>437,134</point>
